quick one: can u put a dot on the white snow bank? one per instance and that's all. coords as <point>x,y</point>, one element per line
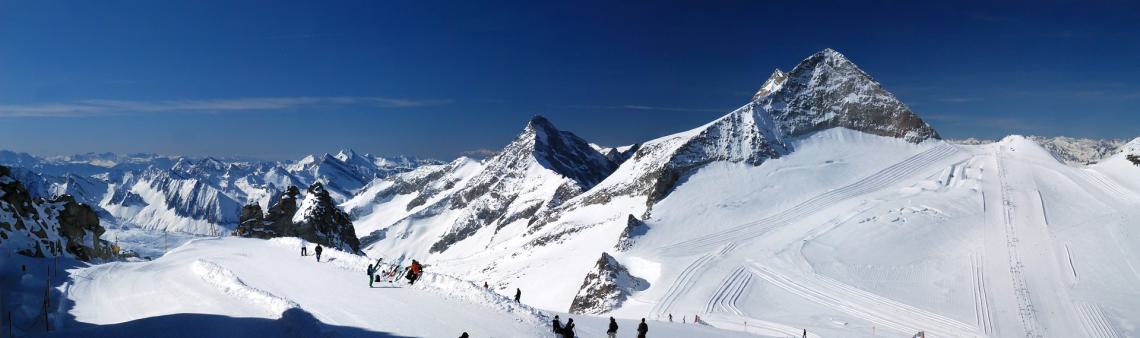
<point>229,283</point>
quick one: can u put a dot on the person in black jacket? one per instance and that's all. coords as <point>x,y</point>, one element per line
<point>568,330</point>
<point>464,335</point>
<point>318,252</point>
<point>642,329</point>
<point>557,327</point>
<point>613,328</point>
<point>518,295</point>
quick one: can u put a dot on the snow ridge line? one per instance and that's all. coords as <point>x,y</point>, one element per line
<point>1094,321</point>
<point>882,311</point>
<point>1026,313</point>
<point>876,181</point>
<point>981,296</point>
<point>467,291</point>
<point>729,292</point>
<point>228,283</point>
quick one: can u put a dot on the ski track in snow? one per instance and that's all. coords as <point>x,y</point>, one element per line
<point>874,182</point>
<point>685,281</point>
<point>729,292</point>
<point>1026,313</point>
<point>1097,179</point>
<point>982,307</point>
<point>1092,318</point>
<point>881,311</point>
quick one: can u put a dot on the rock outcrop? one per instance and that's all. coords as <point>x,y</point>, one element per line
<point>316,219</point>
<point>51,227</point>
<point>605,287</point>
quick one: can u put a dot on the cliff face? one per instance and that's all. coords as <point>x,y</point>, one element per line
<point>317,219</point>
<point>51,227</point>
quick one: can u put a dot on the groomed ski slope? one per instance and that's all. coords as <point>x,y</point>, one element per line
<point>248,286</point>
<point>997,240</point>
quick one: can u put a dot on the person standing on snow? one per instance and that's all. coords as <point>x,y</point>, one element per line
<point>485,286</point>
<point>464,335</point>
<point>371,272</point>
<point>613,328</point>
<point>642,329</point>
<point>318,252</point>
<point>304,248</point>
<point>568,330</point>
<point>518,295</point>
<point>557,327</point>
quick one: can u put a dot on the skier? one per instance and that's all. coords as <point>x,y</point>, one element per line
<point>613,328</point>
<point>485,286</point>
<point>318,252</point>
<point>696,319</point>
<point>642,329</point>
<point>568,330</point>
<point>805,333</point>
<point>557,327</point>
<point>371,272</point>
<point>414,272</point>
<point>670,317</point>
<point>304,248</point>
<point>464,335</point>
<point>518,295</point>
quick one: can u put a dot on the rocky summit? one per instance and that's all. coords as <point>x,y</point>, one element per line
<point>316,219</point>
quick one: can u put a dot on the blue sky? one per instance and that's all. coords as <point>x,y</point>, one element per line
<point>278,79</point>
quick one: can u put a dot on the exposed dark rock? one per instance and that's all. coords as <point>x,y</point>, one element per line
<point>1135,159</point>
<point>320,221</point>
<point>605,287</point>
<point>826,90</point>
<point>490,197</point>
<point>52,227</point>
<point>633,228</point>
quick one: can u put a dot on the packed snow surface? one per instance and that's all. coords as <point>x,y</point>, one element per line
<point>243,280</point>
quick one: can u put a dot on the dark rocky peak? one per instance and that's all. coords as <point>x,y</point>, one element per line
<point>562,152</point>
<point>316,219</point>
<point>827,90</point>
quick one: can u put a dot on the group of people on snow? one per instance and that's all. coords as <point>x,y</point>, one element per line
<point>378,273</point>
<point>567,330</point>
<point>305,250</point>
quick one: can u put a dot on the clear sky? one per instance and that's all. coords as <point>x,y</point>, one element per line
<point>278,79</point>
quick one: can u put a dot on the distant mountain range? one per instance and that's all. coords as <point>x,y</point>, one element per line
<point>192,195</point>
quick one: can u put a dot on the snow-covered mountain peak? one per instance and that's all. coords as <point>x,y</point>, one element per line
<point>827,90</point>
<point>774,82</point>
<point>559,151</point>
<point>346,155</point>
